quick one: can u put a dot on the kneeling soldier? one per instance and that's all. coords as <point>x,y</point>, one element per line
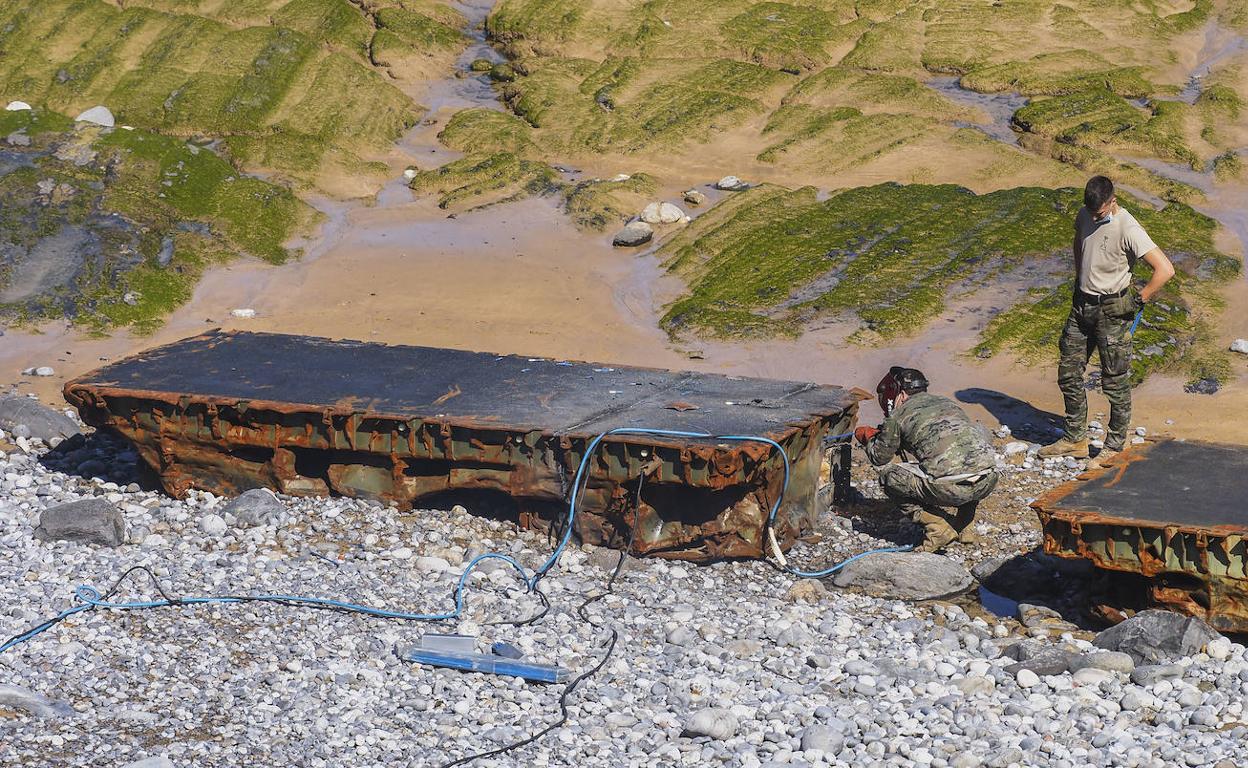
<point>954,462</point>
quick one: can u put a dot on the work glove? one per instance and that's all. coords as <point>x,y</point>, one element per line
<point>863,434</point>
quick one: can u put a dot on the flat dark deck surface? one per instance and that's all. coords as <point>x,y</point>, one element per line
<point>1188,483</point>
<point>505,390</point>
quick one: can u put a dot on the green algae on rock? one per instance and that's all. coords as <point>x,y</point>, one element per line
<point>771,260</point>
<point>496,177</point>
<point>113,227</point>
<point>289,84</point>
<point>599,203</point>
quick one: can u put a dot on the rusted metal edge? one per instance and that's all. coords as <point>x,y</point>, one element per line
<point>181,434</point>
<point>1182,575</point>
<point>79,394</point>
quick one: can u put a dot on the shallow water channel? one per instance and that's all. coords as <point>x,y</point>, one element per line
<point>1000,107</point>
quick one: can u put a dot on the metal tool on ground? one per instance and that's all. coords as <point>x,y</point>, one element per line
<point>484,662</point>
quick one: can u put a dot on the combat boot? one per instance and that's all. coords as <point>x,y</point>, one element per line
<point>937,532</point>
<point>1064,447</point>
<point>964,524</point>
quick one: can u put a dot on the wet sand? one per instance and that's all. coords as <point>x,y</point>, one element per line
<point>518,279</point>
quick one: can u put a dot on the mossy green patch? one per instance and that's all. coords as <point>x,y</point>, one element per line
<point>419,31</point>
<point>600,203</point>
<point>586,107</point>
<point>541,24</point>
<point>1228,167</point>
<point>255,216</point>
<point>788,37</point>
<point>141,297</point>
<point>240,70</point>
<point>501,175</point>
<point>470,129</point>
<point>1031,329</point>
<point>874,92</point>
<point>1101,118</point>
<point>336,21</point>
<point>839,138</point>
<point>893,45</point>
<point>770,260</point>
<point>33,122</point>
<point>113,227</point>
<point>1059,74</point>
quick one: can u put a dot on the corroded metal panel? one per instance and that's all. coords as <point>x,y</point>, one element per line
<point>418,425</point>
<point>1175,515</point>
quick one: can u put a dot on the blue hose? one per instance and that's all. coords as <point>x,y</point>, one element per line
<point>90,597</point>
<point>579,480</point>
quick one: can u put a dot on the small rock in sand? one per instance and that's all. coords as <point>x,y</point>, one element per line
<point>98,115</point>
<point>244,313</point>
<point>636,233</point>
<point>694,197</point>
<point>731,184</point>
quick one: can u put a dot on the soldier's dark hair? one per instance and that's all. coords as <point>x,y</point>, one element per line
<point>1097,192</point>
<point>911,380</point>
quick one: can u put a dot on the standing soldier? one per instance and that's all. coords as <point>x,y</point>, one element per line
<point>954,462</point>
<point>1108,242</point>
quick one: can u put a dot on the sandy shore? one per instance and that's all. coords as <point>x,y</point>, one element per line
<point>519,279</point>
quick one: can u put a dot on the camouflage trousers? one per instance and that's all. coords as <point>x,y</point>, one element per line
<point>1106,328</point>
<point>907,487</point>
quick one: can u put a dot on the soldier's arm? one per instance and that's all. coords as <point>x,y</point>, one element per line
<point>1163,270</point>
<point>1077,249</point>
<point>884,446</point>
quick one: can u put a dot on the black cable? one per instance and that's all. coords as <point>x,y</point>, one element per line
<point>580,610</point>
<point>48,624</point>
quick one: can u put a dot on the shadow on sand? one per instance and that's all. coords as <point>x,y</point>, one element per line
<point>1024,420</point>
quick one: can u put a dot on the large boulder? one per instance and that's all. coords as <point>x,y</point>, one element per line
<point>636,233</point>
<point>1154,636</point>
<point>662,213</point>
<point>98,115</point>
<point>90,521</point>
<point>256,507</point>
<point>905,576</point>
<point>43,422</point>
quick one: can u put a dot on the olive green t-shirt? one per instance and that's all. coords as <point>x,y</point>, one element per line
<point>1109,250</point>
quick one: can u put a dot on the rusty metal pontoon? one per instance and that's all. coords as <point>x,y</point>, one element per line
<point>229,411</point>
<point>1167,522</point>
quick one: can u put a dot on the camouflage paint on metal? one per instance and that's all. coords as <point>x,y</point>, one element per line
<point>227,412</point>
<point>1167,523</point>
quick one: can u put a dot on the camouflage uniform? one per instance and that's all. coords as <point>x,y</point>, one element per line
<point>954,461</point>
<point>1105,327</point>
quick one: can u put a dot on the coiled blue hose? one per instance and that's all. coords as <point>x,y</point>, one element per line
<point>91,599</point>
